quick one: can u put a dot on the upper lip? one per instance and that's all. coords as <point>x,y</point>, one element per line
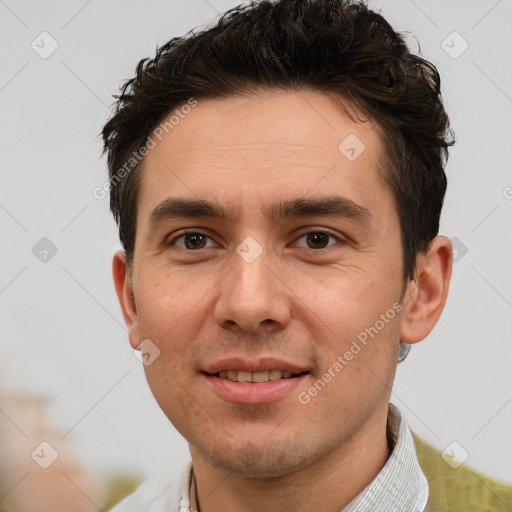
<point>254,365</point>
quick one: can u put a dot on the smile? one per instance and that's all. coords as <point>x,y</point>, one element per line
<point>256,377</point>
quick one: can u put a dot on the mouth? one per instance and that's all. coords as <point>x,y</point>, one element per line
<point>251,382</point>
<point>257,377</point>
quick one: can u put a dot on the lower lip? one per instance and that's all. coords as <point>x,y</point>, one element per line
<point>246,393</point>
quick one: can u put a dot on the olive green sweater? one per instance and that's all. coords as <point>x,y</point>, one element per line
<point>461,489</point>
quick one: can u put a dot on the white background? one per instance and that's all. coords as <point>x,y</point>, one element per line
<point>61,329</point>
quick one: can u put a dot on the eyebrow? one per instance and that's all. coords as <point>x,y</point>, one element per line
<point>331,206</point>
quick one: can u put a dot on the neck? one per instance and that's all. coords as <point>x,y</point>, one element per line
<point>329,484</point>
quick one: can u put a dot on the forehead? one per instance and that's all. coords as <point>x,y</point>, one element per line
<point>274,143</point>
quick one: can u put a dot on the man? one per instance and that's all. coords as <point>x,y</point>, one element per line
<point>277,181</point>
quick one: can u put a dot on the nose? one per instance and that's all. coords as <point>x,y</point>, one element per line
<point>252,297</point>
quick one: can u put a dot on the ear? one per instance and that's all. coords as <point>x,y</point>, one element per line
<point>126,297</point>
<point>426,294</point>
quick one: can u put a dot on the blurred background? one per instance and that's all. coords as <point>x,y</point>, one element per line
<point>79,427</point>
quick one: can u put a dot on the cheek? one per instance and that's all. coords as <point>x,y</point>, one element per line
<point>357,320</point>
<point>171,391</point>
<point>346,300</point>
<point>169,303</point>
<point>166,311</point>
<point>360,370</point>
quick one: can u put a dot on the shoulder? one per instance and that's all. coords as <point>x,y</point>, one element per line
<point>156,494</point>
<point>460,487</point>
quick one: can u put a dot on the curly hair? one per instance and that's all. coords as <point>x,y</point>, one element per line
<point>336,47</point>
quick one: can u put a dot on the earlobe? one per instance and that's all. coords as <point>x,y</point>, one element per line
<point>427,294</point>
<point>126,296</point>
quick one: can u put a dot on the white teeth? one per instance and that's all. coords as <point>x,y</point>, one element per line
<point>275,374</point>
<point>260,377</point>
<point>244,376</point>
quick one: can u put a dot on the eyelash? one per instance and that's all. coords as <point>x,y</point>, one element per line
<point>316,231</point>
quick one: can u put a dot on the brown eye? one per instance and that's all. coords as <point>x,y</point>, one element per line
<point>194,240</point>
<point>190,241</point>
<point>318,240</point>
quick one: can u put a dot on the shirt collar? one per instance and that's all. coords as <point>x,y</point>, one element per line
<point>400,485</point>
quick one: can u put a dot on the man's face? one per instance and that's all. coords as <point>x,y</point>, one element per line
<point>260,293</point>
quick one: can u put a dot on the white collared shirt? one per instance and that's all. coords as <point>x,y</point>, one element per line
<point>400,485</point>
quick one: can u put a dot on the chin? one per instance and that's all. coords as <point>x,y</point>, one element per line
<point>269,461</point>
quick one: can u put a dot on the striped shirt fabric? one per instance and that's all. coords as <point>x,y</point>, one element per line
<point>400,485</point>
